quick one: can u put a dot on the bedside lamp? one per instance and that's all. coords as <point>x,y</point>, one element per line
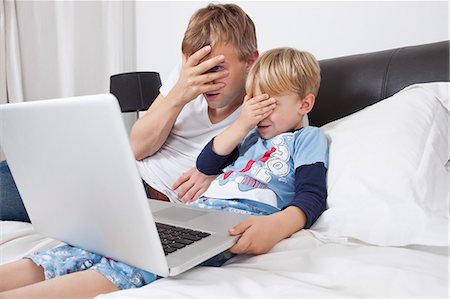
<point>135,91</point>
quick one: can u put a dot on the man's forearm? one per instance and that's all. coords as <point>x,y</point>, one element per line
<point>151,131</point>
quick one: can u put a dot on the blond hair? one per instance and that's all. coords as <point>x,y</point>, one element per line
<point>283,71</point>
<point>217,23</point>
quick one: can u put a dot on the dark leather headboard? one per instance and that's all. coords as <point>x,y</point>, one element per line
<point>352,83</point>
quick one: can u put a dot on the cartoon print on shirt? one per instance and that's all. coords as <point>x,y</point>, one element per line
<point>265,171</point>
<point>277,163</point>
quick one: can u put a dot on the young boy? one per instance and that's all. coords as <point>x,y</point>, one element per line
<point>272,165</point>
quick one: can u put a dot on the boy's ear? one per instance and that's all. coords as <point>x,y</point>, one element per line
<point>307,104</point>
<point>251,60</point>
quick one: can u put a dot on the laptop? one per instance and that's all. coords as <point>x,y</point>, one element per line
<point>74,168</point>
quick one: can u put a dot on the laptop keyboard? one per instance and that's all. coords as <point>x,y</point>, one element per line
<point>175,237</point>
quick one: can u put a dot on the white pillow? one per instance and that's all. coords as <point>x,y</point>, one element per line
<point>387,180</point>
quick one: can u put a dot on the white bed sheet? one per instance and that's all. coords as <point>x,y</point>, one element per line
<point>302,266</point>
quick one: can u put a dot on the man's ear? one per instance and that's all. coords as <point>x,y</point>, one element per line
<point>307,104</point>
<point>251,60</point>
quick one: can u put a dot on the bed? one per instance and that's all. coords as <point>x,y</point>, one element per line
<point>385,232</point>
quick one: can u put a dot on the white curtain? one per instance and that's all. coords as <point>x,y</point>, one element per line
<point>51,49</point>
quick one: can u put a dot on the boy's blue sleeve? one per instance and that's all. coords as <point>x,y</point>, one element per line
<point>310,191</point>
<point>210,163</point>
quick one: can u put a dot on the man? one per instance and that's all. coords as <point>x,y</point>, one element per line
<point>198,101</point>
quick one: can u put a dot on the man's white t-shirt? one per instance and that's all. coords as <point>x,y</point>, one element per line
<point>191,132</point>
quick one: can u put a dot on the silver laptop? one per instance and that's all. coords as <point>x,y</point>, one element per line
<point>76,173</point>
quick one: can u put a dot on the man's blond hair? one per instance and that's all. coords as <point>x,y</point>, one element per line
<point>284,71</point>
<point>220,23</point>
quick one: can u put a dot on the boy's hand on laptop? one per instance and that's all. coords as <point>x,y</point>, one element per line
<point>254,110</point>
<point>196,77</point>
<point>260,233</point>
<point>192,184</point>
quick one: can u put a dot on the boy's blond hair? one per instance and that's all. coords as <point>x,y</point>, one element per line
<point>284,71</point>
<point>217,23</point>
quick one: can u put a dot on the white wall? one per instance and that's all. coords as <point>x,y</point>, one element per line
<point>327,29</point>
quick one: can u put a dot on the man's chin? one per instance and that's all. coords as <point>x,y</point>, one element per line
<point>215,102</point>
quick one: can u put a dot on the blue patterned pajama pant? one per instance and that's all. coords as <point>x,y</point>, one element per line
<point>67,259</point>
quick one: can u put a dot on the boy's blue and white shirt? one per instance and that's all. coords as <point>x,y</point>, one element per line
<point>265,170</point>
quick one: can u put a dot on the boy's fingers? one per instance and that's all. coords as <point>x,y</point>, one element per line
<point>265,103</point>
<point>258,98</point>
<point>265,114</point>
<point>269,101</point>
<point>241,227</point>
<point>242,245</point>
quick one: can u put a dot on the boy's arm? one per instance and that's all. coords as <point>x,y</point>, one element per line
<point>151,131</point>
<point>210,163</point>
<point>310,191</point>
<point>261,233</point>
<point>253,111</point>
<point>222,149</point>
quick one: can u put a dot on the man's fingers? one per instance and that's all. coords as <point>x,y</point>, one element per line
<point>209,87</point>
<point>195,58</point>
<point>183,178</point>
<point>208,64</point>
<point>209,77</point>
<point>184,188</point>
<point>188,196</point>
<point>198,194</point>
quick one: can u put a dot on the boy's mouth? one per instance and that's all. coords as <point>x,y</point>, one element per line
<point>262,127</point>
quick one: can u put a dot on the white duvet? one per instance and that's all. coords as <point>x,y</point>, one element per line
<point>302,266</point>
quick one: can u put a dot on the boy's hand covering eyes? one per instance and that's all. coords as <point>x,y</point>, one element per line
<point>197,77</point>
<point>255,109</point>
